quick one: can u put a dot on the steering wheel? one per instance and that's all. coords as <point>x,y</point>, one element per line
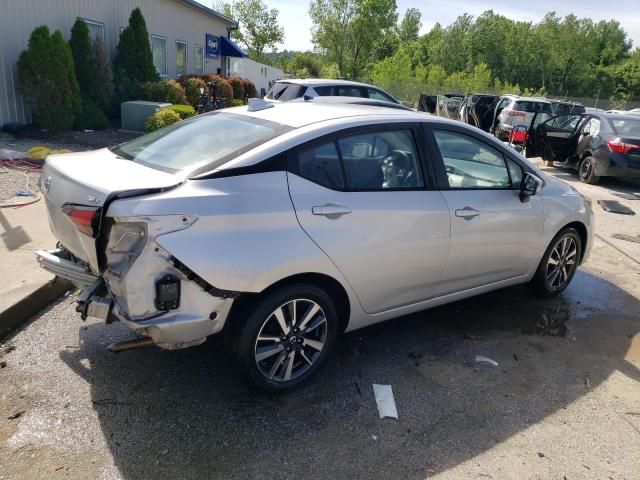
<point>396,166</point>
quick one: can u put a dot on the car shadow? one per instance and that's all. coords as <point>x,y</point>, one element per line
<point>188,414</point>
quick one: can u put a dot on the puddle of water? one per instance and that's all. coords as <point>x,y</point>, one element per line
<point>517,309</point>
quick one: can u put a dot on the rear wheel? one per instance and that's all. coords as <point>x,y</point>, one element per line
<point>287,337</point>
<point>559,263</point>
<point>586,171</point>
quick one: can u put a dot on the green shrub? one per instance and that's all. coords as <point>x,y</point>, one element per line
<point>249,88</point>
<point>47,80</point>
<point>103,94</point>
<point>185,111</point>
<point>162,118</point>
<point>168,91</point>
<point>83,58</point>
<point>91,117</point>
<point>236,102</point>
<point>192,88</point>
<point>222,88</point>
<point>237,87</point>
<point>133,55</point>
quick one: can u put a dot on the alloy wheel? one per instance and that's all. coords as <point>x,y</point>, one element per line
<point>290,340</point>
<point>562,262</point>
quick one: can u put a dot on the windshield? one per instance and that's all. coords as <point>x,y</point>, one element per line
<point>626,128</point>
<point>206,140</point>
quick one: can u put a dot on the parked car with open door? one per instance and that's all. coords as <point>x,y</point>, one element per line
<point>597,145</point>
<point>514,111</point>
<point>477,110</point>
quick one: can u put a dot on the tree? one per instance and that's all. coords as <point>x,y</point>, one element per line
<point>47,80</point>
<point>258,26</point>
<point>410,25</point>
<point>348,30</point>
<point>83,58</point>
<point>133,56</point>
<point>103,94</point>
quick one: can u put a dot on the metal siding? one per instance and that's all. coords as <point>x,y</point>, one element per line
<point>169,18</point>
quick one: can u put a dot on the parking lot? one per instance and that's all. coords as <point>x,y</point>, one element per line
<point>563,402</point>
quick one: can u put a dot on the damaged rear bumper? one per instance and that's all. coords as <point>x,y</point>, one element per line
<point>170,330</point>
<point>58,263</point>
<point>200,312</point>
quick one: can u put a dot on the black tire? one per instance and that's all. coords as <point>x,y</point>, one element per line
<point>262,320</point>
<point>586,171</point>
<point>541,284</point>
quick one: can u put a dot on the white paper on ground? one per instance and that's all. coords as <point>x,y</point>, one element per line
<point>385,401</point>
<point>481,358</point>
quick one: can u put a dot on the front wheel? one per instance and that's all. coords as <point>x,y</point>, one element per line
<point>287,337</point>
<point>559,264</point>
<point>586,171</point>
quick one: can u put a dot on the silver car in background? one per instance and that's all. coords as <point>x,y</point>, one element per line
<point>285,225</point>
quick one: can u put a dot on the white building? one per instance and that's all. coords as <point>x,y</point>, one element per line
<point>263,76</point>
<point>185,37</point>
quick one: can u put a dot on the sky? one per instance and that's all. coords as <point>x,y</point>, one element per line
<point>294,14</point>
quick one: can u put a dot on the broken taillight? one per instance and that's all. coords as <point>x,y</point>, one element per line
<point>84,218</point>
<point>619,146</point>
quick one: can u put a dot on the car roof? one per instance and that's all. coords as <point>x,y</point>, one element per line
<point>300,114</point>
<point>316,82</point>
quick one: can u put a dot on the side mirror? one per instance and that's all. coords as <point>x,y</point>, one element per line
<point>531,185</point>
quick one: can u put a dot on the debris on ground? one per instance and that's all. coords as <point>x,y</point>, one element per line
<point>482,358</point>
<point>587,383</point>
<point>384,400</point>
<point>628,238</point>
<point>627,196</point>
<point>615,206</point>
<point>515,357</point>
<point>468,336</point>
<point>3,364</point>
<point>541,455</point>
<point>16,415</point>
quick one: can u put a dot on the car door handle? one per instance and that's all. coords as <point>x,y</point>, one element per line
<point>330,209</point>
<point>467,212</point>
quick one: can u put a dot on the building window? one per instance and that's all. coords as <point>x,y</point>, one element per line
<point>198,58</point>
<point>181,58</point>
<point>96,29</point>
<point>159,49</point>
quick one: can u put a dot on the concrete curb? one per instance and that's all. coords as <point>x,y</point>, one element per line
<point>33,303</point>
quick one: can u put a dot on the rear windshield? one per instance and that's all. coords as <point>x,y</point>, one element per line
<point>526,106</point>
<point>285,91</point>
<point>626,128</point>
<point>560,108</point>
<point>208,140</point>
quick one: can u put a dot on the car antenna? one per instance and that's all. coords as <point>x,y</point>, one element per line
<point>256,104</point>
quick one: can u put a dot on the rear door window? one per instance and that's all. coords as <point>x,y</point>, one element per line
<point>350,91</point>
<point>371,161</point>
<point>325,91</point>
<point>381,161</point>
<point>320,163</point>
<point>376,94</point>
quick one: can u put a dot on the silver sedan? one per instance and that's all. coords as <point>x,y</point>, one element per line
<point>285,225</point>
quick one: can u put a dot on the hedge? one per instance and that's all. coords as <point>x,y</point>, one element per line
<point>162,118</point>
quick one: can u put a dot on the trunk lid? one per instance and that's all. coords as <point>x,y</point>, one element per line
<point>93,179</point>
